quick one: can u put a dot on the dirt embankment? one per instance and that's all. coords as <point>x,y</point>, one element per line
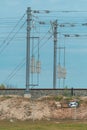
<point>25,109</point>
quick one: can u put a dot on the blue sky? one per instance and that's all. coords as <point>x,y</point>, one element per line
<point>76,48</point>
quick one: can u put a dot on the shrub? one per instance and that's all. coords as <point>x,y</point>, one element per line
<point>58,98</point>
<point>2,86</point>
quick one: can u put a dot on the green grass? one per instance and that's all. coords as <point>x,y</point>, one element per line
<point>43,125</point>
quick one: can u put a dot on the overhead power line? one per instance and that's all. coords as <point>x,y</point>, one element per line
<point>14,72</point>
<point>61,11</point>
<point>5,40</point>
<point>12,38</point>
<point>43,40</point>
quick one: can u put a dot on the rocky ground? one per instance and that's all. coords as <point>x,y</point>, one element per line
<point>44,108</point>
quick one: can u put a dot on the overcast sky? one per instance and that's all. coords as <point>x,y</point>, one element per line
<point>76,51</point>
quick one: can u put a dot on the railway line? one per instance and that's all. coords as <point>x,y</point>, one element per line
<point>39,92</point>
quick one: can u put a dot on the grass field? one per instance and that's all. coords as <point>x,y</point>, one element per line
<point>43,125</point>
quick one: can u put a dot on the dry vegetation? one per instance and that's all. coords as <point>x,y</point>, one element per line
<point>47,108</point>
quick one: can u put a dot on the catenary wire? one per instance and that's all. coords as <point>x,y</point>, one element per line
<point>11,31</point>
<point>12,38</point>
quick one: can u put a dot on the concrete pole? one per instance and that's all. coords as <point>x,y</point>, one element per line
<point>28,49</point>
<point>55,54</point>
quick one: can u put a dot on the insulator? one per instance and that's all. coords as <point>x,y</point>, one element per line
<point>72,25</point>
<point>61,72</point>
<point>33,65</point>
<point>59,68</point>
<point>38,67</point>
<point>84,24</point>
<point>76,35</point>
<point>62,25</point>
<point>67,35</point>
<point>41,22</point>
<point>47,11</point>
<point>36,11</point>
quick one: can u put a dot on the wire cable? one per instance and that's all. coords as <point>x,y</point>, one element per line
<point>12,38</point>
<point>16,69</point>
<point>11,31</point>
